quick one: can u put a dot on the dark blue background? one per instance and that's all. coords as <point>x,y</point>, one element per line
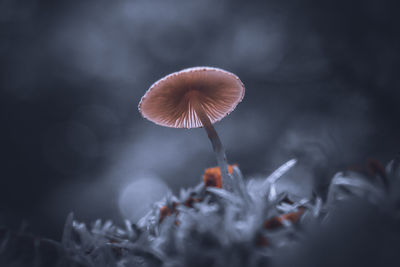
<point>321,80</point>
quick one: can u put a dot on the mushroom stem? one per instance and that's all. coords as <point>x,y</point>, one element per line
<point>216,143</point>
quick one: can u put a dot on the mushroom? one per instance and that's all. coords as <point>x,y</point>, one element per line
<point>192,98</point>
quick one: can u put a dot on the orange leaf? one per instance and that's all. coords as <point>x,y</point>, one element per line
<point>276,222</point>
<point>212,176</point>
<point>165,211</point>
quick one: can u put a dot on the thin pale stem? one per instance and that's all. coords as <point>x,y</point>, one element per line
<point>216,144</point>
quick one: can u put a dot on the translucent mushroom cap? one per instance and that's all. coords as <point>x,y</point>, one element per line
<point>171,101</point>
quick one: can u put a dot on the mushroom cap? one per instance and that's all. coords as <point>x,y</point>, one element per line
<point>171,101</point>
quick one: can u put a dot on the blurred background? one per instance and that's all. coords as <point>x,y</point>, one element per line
<point>321,86</point>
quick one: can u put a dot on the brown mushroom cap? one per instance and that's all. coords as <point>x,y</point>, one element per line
<point>172,100</point>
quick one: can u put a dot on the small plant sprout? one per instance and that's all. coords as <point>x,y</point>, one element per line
<point>192,98</point>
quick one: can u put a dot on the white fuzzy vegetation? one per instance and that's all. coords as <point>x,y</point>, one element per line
<point>219,227</point>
